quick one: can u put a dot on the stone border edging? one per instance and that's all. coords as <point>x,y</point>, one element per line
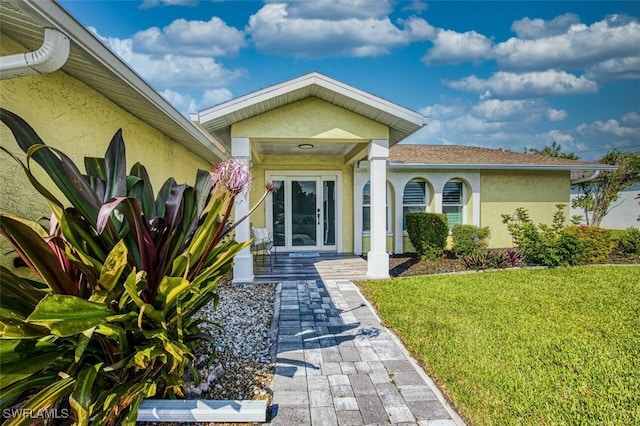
<point>202,410</point>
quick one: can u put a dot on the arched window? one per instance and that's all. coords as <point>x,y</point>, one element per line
<point>366,208</point>
<point>453,202</point>
<point>414,199</point>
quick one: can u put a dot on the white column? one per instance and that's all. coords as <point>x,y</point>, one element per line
<point>243,262</point>
<point>378,258</point>
<point>398,233</point>
<point>475,205</point>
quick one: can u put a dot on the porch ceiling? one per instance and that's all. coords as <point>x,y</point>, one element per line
<point>294,147</point>
<point>218,120</point>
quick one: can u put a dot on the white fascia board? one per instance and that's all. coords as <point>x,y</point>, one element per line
<point>371,100</point>
<point>395,165</point>
<point>307,80</point>
<point>58,16</point>
<point>249,100</point>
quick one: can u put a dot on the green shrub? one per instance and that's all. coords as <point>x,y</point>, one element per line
<point>428,233</point>
<point>627,241</point>
<point>121,273</point>
<point>569,249</point>
<point>469,238</point>
<point>596,243</point>
<point>544,245</point>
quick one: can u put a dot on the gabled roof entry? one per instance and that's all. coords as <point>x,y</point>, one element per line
<point>401,121</point>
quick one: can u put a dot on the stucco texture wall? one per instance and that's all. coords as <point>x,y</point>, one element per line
<point>305,163</point>
<point>502,192</point>
<point>69,115</point>
<point>310,118</point>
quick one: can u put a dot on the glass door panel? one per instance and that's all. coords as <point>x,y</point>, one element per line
<point>278,214</point>
<point>305,214</point>
<point>329,212</point>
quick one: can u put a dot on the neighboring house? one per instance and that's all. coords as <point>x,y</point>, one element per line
<point>343,181</point>
<point>80,106</point>
<point>623,213</point>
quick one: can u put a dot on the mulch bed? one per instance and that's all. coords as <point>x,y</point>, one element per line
<point>407,265</point>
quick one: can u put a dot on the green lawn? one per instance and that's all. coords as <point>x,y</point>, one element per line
<point>534,347</point>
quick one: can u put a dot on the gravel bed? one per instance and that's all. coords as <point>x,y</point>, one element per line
<point>242,367</point>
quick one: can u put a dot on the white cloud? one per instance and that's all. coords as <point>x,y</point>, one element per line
<point>186,103</point>
<point>182,102</point>
<point>339,9</point>
<point>530,29</point>
<point>192,38</point>
<point>213,97</point>
<point>509,124</point>
<point>174,71</point>
<point>631,119</point>
<point>611,133</point>
<point>532,84</point>
<point>415,6</point>
<point>450,47</point>
<point>443,111</point>
<point>556,114</point>
<point>580,46</point>
<point>615,69</point>
<point>613,126</point>
<point>148,4</point>
<point>517,110</point>
<point>275,30</point>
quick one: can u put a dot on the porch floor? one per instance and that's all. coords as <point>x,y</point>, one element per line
<point>326,266</point>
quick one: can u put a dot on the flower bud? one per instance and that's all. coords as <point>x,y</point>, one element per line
<point>233,175</point>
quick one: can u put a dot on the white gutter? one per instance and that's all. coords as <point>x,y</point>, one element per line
<point>50,57</point>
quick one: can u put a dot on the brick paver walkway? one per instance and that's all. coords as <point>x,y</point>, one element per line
<point>336,365</point>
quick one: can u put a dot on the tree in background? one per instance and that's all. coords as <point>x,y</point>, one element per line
<point>597,195</point>
<point>555,150</point>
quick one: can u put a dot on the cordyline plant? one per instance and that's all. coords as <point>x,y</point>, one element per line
<point>109,320</point>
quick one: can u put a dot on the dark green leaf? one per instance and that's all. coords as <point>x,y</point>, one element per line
<point>20,359</point>
<point>10,394</point>
<point>80,399</point>
<point>96,167</point>
<point>116,168</point>
<point>163,195</point>
<point>146,196</point>
<point>45,399</point>
<point>115,263</point>
<point>37,254</point>
<point>69,315</point>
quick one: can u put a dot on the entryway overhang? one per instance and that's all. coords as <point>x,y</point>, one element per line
<point>401,121</point>
<point>313,122</point>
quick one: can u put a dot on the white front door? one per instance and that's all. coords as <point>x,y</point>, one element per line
<point>301,213</point>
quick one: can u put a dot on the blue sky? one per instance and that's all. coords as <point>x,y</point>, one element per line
<point>510,74</point>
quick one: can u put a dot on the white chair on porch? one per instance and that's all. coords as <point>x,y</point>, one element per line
<point>262,243</point>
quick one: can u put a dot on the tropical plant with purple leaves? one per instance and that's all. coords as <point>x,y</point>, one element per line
<point>109,320</point>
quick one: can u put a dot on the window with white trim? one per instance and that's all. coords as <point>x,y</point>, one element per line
<point>453,202</point>
<point>414,199</point>
<point>366,208</point>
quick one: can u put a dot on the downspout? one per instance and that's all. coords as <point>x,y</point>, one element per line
<point>587,179</point>
<point>50,57</point>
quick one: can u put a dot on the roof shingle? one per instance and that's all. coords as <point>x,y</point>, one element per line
<point>448,155</point>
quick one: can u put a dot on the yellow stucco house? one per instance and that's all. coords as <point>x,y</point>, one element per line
<point>344,183</point>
